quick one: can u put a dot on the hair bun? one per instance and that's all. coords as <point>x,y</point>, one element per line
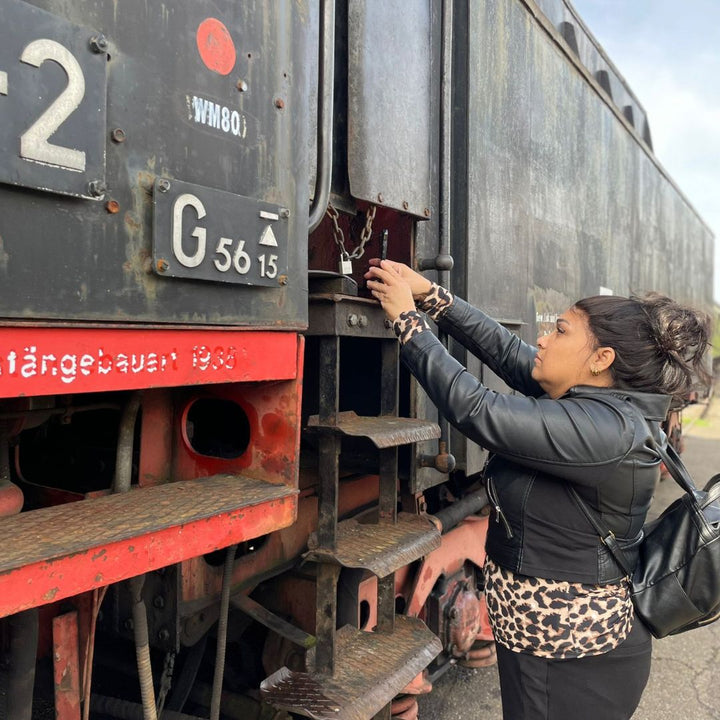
<point>681,333</point>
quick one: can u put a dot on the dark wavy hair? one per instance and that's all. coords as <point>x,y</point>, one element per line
<point>659,344</point>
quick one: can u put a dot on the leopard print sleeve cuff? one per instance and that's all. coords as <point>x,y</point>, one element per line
<point>408,324</point>
<point>436,302</point>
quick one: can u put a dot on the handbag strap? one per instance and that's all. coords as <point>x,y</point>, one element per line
<point>676,468</point>
<point>679,473</point>
<point>607,536</point>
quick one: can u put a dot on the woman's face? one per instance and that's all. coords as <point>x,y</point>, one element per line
<point>565,356</point>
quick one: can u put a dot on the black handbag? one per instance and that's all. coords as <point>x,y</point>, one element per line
<point>675,583</point>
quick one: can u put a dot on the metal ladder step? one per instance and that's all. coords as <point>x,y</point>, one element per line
<point>381,548</point>
<point>375,667</point>
<point>59,551</point>
<point>384,431</point>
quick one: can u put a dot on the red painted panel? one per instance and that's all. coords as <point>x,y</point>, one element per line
<point>50,361</point>
<point>66,665</point>
<point>45,582</point>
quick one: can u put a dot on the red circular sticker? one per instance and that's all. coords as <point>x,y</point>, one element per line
<point>216,47</point>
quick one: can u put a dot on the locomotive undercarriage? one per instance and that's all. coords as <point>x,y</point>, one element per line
<point>69,449</point>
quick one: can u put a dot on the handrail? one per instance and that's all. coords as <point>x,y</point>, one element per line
<point>326,79</point>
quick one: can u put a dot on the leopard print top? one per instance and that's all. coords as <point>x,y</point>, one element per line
<point>546,618</point>
<point>435,303</point>
<point>555,619</point>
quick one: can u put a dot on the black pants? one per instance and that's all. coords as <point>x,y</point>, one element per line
<point>600,687</point>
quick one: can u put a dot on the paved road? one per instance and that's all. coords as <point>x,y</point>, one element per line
<point>685,678</point>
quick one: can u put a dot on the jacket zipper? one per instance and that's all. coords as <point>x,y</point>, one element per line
<point>499,515</point>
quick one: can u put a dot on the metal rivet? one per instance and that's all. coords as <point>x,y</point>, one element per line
<point>99,44</point>
<point>283,279</point>
<point>241,85</point>
<point>112,206</point>
<point>161,265</point>
<point>118,135</point>
<point>406,204</point>
<point>97,188</point>
<point>163,185</point>
<point>380,197</point>
<point>284,212</point>
<point>426,212</point>
<point>279,103</point>
<point>159,602</point>
<point>163,634</point>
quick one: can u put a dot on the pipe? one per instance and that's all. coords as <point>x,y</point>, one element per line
<point>121,484</point>
<point>326,79</point>
<point>222,634</point>
<point>126,710</point>
<point>18,677</point>
<point>125,443</point>
<point>11,496</point>
<point>454,514</point>
<point>445,182</point>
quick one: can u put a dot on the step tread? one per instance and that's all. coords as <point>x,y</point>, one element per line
<point>381,548</point>
<point>63,530</point>
<point>384,431</point>
<point>375,667</point>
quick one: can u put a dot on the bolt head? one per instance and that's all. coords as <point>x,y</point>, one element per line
<point>352,319</point>
<point>279,103</point>
<point>99,44</point>
<point>118,135</point>
<point>163,185</point>
<point>161,265</point>
<point>381,197</point>
<point>112,206</point>
<point>241,85</point>
<point>97,188</point>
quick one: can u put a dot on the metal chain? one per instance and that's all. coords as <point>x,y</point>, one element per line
<point>165,682</point>
<point>339,236</point>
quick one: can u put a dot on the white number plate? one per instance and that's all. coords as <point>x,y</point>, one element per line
<point>52,103</point>
<point>207,234</point>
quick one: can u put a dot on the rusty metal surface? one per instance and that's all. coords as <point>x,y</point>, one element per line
<point>57,552</point>
<point>381,548</point>
<point>390,162</point>
<point>384,431</point>
<point>345,315</point>
<point>66,666</point>
<point>230,118</point>
<point>65,529</point>
<point>376,666</point>
<point>279,625</point>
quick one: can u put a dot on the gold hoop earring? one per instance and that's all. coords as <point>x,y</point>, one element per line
<point>595,371</point>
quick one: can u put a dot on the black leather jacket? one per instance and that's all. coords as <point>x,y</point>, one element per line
<point>599,439</point>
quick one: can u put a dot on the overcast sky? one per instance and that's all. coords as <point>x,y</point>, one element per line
<point>669,52</point>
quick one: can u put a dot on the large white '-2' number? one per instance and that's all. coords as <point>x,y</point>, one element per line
<point>34,143</point>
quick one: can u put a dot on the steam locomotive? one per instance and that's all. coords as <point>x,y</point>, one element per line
<point>221,495</point>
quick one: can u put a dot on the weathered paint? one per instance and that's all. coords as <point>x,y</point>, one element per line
<point>68,572</point>
<point>64,258</point>
<point>53,361</point>
<point>66,666</point>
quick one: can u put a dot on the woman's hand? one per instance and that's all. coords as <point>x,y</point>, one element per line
<point>419,285</point>
<point>387,284</point>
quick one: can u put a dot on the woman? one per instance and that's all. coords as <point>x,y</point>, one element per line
<point>594,392</point>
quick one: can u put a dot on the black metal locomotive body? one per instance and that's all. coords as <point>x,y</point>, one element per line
<point>189,362</point>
